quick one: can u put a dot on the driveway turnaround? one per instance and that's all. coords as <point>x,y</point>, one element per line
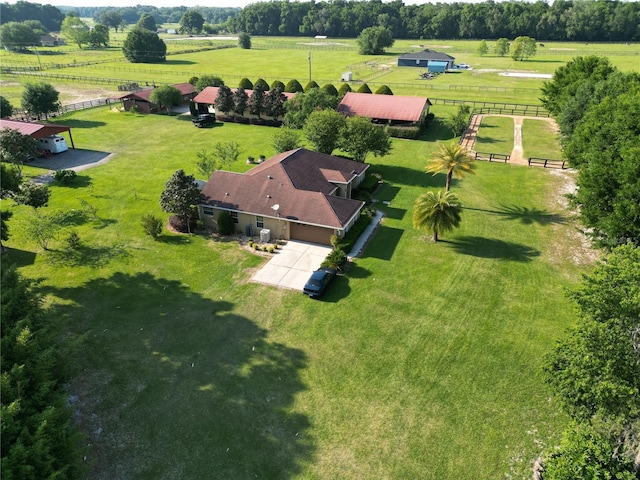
<point>292,265</point>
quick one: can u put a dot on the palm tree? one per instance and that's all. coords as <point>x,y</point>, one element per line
<point>452,159</point>
<point>436,212</point>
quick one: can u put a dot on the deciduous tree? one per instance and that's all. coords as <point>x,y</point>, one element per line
<point>483,48</point>
<point>99,36</point>
<point>181,197</point>
<point>502,47</point>
<point>374,40</point>
<point>285,139</point>
<point>244,41</point>
<point>16,148</point>
<point>18,35</point>
<point>40,99</point>
<point>208,81</point>
<point>75,30</point>
<point>6,109</point>
<point>361,137</point>
<point>323,129</point>
<point>301,106</point>
<point>35,195</point>
<point>110,18</point>
<point>147,21</point>
<point>191,22</point>
<point>166,96</point>
<point>523,48</point>
<point>143,46</point>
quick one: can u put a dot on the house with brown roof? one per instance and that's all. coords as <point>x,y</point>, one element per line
<point>142,98</point>
<point>393,109</point>
<point>299,194</point>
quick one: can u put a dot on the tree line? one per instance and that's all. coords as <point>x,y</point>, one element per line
<point>586,20</point>
<point>563,20</point>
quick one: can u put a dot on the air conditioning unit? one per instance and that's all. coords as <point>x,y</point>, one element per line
<point>265,235</point>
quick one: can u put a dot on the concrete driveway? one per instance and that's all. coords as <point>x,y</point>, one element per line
<point>292,265</point>
<point>73,159</point>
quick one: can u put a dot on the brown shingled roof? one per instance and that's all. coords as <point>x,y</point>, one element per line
<point>387,107</point>
<point>292,180</point>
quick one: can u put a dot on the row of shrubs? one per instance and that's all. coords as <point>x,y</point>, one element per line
<point>292,86</point>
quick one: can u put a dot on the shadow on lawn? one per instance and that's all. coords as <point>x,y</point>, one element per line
<point>181,385</point>
<point>387,240</point>
<point>407,176</point>
<point>493,248</point>
<point>525,215</point>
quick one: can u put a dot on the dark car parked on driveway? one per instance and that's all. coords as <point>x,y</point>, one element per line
<point>204,119</point>
<point>318,281</point>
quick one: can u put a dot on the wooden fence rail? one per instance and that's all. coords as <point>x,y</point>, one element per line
<point>493,157</point>
<point>547,162</point>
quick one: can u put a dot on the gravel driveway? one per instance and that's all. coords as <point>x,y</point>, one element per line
<point>73,159</point>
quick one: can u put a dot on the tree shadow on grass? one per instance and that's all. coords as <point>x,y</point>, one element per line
<point>174,239</point>
<point>181,386</point>
<point>81,123</point>
<point>406,176</point>
<point>86,256</point>
<point>17,257</point>
<point>525,215</point>
<point>437,130</point>
<point>80,181</point>
<point>387,240</point>
<point>493,248</point>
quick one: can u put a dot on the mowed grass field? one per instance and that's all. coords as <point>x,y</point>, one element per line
<point>283,58</point>
<point>423,360</point>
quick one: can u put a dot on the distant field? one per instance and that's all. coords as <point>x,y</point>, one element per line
<point>284,58</point>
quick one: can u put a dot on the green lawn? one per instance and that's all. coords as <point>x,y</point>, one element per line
<point>495,135</point>
<point>540,140</point>
<point>421,362</point>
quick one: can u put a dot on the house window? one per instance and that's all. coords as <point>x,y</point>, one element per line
<point>259,222</point>
<point>207,211</point>
<point>234,215</point>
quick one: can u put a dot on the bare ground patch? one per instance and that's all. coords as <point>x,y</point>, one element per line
<point>578,246</point>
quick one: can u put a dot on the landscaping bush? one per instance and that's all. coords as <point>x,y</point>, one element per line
<point>261,84</point>
<point>330,89</point>
<point>336,259</point>
<point>152,225</point>
<point>344,89</point>
<point>384,90</point>
<point>293,86</point>
<point>311,85</point>
<point>64,176</point>
<point>411,133</point>
<point>246,84</point>
<point>257,121</point>
<point>364,88</point>
<point>225,223</point>
<point>179,225</point>
<point>73,240</point>
<point>277,84</point>
<point>354,233</point>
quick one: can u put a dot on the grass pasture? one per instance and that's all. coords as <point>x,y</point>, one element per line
<point>495,135</point>
<point>284,58</point>
<point>540,140</point>
<point>421,362</point>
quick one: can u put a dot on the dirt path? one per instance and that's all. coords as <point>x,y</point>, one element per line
<point>517,154</point>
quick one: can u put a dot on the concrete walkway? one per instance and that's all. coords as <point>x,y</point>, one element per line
<point>366,235</point>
